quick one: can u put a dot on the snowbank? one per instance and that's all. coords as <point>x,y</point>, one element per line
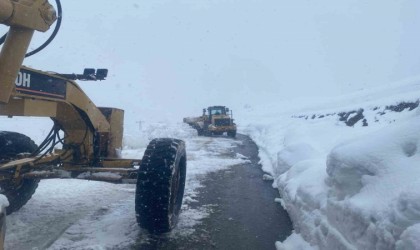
<point>346,185</point>
<point>294,242</point>
<point>4,203</point>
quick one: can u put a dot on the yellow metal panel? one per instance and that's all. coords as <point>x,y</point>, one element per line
<point>32,14</point>
<point>6,10</point>
<point>11,58</point>
<point>40,108</point>
<point>119,163</point>
<point>78,98</point>
<point>29,107</point>
<point>13,108</point>
<point>115,117</point>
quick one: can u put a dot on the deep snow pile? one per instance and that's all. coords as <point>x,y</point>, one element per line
<point>346,187</point>
<point>3,203</point>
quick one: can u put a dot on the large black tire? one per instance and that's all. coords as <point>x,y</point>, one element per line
<point>160,185</point>
<point>232,134</point>
<point>11,145</point>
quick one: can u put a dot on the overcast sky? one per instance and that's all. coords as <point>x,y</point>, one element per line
<point>181,55</point>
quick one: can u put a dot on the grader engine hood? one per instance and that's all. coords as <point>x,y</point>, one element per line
<point>221,123</point>
<point>221,120</point>
<point>35,83</point>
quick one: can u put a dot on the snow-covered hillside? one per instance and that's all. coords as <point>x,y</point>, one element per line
<point>348,168</point>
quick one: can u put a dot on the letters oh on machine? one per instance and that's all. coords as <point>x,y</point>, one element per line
<point>90,136</point>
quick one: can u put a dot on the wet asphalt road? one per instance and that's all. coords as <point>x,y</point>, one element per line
<point>244,214</point>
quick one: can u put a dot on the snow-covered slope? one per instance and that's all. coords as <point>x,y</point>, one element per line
<point>346,185</point>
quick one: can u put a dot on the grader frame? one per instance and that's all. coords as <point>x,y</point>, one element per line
<point>91,136</point>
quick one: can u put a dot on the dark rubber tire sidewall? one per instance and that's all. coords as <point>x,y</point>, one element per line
<point>157,209</point>
<point>12,144</point>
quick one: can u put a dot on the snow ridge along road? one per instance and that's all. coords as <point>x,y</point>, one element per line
<point>347,183</point>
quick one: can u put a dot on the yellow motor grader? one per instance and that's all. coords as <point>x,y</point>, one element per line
<point>90,136</point>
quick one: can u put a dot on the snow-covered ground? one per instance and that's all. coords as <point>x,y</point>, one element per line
<point>78,214</point>
<point>345,187</point>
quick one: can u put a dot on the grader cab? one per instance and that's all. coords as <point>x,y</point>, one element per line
<point>90,136</point>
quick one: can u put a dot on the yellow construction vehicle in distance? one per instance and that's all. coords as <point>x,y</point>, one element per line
<point>217,121</point>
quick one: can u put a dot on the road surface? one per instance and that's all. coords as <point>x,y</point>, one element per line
<point>244,214</point>
<point>226,205</point>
